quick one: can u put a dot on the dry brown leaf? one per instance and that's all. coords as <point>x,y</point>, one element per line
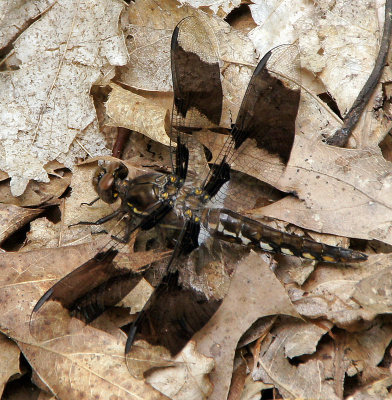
<point>366,349</point>
<point>13,218</point>
<point>346,294</point>
<point>294,381</point>
<point>36,193</point>
<point>187,379</point>
<point>92,360</point>
<point>45,396</point>
<point>144,357</point>
<point>352,195</point>
<point>252,389</point>
<point>373,291</point>
<point>9,360</point>
<point>377,390</point>
<point>238,379</point>
<point>254,288</point>
<point>149,48</point>
<point>302,337</point>
<point>134,112</point>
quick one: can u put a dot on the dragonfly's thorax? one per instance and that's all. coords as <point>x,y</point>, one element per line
<point>141,195</point>
<point>169,187</point>
<point>190,202</point>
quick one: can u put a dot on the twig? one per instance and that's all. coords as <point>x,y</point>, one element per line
<point>340,137</point>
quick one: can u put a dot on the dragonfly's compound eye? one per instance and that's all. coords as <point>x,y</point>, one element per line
<point>106,181</point>
<point>121,172</point>
<point>99,173</point>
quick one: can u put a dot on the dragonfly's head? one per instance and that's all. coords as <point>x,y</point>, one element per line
<point>106,180</point>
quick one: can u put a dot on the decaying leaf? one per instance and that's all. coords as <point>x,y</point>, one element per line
<point>9,360</point>
<point>136,113</point>
<point>13,218</point>
<point>46,103</point>
<point>293,381</point>
<point>48,114</point>
<point>376,390</point>
<point>254,288</point>
<point>221,7</point>
<point>92,360</point>
<point>150,53</point>
<point>188,378</point>
<point>37,193</point>
<point>18,15</point>
<point>353,192</point>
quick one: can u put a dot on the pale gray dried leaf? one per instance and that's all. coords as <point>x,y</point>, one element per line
<point>15,14</point>
<point>366,349</point>
<point>302,337</point>
<point>47,102</point>
<point>338,40</point>
<point>275,20</point>
<point>373,292</point>
<point>43,234</point>
<point>347,36</point>
<point>220,7</point>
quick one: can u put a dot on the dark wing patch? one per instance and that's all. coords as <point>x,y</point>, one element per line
<point>267,115</point>
<point>196,84</point>
<point>85,293</point>
<point>173,316</point>
<point>270,105</point>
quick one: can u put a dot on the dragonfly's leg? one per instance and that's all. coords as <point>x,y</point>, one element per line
<point>91,202</point>
<point>101,220</point>
<point>126,237</point>
<point>103,231</point>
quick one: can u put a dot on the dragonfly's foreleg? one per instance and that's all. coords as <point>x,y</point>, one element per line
<point>101,220</point>
<point>91,202</point>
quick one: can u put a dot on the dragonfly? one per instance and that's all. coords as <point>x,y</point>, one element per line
<point>187,206</point>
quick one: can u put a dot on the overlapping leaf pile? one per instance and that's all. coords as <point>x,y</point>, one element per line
<point>293,330</point>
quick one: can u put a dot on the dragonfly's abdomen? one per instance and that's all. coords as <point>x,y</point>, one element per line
<point>230,226</point>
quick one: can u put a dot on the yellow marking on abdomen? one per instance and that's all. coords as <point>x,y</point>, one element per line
<point>244,239</point>
<point>266,246</point>
<point>286,251</point>
<point>228,233</point>
<point>309,256</point>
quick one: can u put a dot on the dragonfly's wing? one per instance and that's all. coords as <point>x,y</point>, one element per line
<point>270,105</point>
<point>196,84</point>
<point>85,293</point>
<point>172,316</point>
<point>267,115</point>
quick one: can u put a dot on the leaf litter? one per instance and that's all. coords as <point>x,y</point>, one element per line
<point>339,324</point>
